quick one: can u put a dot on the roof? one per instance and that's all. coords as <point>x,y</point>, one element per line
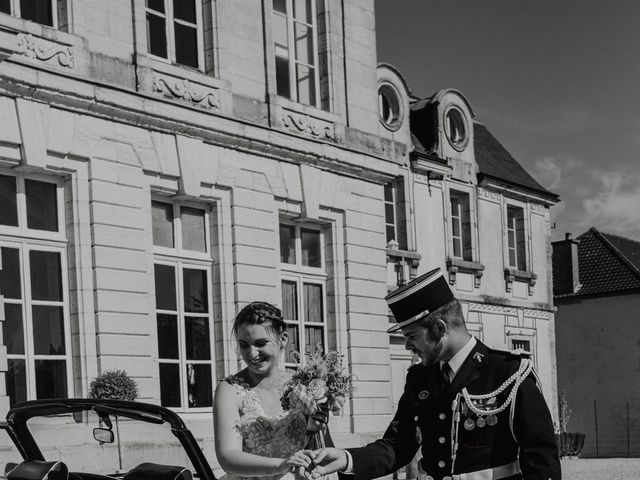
<point>607,264</point>
<point>496,162</point>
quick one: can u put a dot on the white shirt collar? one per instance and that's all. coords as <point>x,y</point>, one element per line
<point>461,355</point>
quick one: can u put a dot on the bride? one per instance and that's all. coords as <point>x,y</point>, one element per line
<point>254,437</point>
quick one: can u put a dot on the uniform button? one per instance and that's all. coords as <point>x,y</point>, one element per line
<point>442,416</point>
<point>441,464</point>
<point>415,419</point>
<point>441,439</point>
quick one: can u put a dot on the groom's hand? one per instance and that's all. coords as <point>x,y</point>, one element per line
<point>329,460</point>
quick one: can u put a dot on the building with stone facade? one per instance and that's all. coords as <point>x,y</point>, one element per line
<point>162,164</point>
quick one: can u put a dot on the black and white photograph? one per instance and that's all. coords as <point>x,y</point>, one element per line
<point>319,239</point>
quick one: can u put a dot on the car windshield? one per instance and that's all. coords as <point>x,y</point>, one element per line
<point>70,439</point>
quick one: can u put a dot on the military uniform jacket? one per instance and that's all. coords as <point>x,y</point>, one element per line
<point>523,432</point>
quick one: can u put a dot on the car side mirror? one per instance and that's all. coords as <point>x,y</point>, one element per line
<point>103,435</point>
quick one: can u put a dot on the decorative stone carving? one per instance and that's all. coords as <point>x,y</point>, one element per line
<point>185,90</point>
<point>489,195</point>
<point>541,314</point>
<point>490,308</point>
<point>454,265</point>
<point>39,49</point>
<point>308,125</point>
<point>511,274</point>
<point>537,207</point>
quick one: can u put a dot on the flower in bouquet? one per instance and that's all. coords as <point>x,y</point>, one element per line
<point>319,380</point>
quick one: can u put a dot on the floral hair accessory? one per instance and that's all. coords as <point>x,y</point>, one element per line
<point>319,380</point>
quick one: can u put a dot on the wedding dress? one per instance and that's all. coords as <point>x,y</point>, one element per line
<point>276,436</point>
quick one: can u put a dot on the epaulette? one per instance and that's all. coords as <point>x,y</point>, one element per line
<point>517,352</point>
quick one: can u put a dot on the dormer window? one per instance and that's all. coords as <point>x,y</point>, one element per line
<point>456,128</point>
<point>389,107</point>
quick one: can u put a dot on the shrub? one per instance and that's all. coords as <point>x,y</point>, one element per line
<point>113,385</point>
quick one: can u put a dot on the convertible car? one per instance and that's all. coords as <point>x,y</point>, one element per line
<point>88,439</point>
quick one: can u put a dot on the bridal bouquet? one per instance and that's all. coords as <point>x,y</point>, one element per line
<point>318,383</point>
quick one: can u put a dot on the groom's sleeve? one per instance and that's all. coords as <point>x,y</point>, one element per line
<point>395,449</point>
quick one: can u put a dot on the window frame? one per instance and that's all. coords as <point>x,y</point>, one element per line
<point>511,204</point>
<point>14,7</point>
<point>524,337</point>
<point>399,214</point>
<point>457,144</point>
<point>291,50</point>
<point>301,275</point>
<point>473,222</point>
<point>170,36</point>
<point>180,259</point>
<point>25,240</point>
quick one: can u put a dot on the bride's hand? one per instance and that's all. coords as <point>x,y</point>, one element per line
<point>302,458</point>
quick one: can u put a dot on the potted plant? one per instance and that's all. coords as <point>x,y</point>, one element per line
<point>570,444</point>
<point>114,385</point>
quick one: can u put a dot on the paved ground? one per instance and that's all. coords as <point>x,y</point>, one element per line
<point>601,469</point>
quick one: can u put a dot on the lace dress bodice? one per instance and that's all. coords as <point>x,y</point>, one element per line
<point>278,436</point>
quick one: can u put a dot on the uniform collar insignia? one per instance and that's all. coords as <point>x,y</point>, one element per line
<point>477,357</point>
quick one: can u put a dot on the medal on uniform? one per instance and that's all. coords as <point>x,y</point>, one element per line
<point>481,422</point>
<point>469,424</point>
<point>492,420</point>
<point>423,395</point>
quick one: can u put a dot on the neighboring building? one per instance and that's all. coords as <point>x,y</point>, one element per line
<point>161,167</point>
<point>597,294</point>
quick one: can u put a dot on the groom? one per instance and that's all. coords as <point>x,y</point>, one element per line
<point>477,413</point>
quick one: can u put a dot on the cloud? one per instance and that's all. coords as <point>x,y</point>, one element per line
<point>615,204</point>
<point>553,172</point>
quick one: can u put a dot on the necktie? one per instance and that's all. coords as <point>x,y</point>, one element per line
<point>446,372</point>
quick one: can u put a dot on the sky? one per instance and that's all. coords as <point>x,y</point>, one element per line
<point>556,81</point>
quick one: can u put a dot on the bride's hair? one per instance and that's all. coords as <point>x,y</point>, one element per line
<point>260,313</point>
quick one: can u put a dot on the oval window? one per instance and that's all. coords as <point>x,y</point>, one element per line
<point>389,106</point>
<point>456,129</point>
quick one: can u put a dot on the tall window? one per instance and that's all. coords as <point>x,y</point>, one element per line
<point>461,241</point>
<point>43,12</point>
<point>394,215</point>
<point>295,34</point>
<point>34,285</point>
<point>516,238</point>
<point>303,285</point>
<point>182,269</point>
<point>174,31</point>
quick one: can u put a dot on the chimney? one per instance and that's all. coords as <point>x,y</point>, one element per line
<point>566,277</point>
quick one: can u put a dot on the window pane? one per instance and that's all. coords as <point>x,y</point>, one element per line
<point>302,10</point>
<point>287,244</point>
<point>280,35</point>
<point>5,6</point>
<point>306,85</point>
<point>195,291</point>
<point>283,82</point>
<point>391,233</point>
<point>314,339</point>
<point>162,219</point>
<point>292,350</point>
<point>313,303</point>
<point>48,330</point>
<point>8,204</point>
<point>199,385</point>
<point>12,329</point>
<point>389,213</point>
<point>37,11</point>
<point>157,5</point>
<point>170,384</point>
<point>388,193</point>
<point>193,229</point>
<point>304,44</point>
<point>16,381</point>
<point>51,379</point>
<point>42,205</point>
<point>280,6</point>
<point>156,35</point>
<point>457,249</point>
<point>186,38</point>
<point>185,10</point>
<point>165,278</point>
<point>310,248</point>
<point>10,283</point>
<point>167,336</point>
<point>46,281</point>
<point>198,343</point>
<point>289,300</point>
